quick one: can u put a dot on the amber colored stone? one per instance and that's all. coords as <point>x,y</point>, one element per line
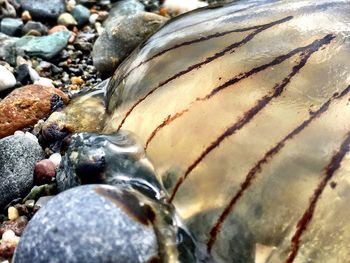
<point>25,106</point>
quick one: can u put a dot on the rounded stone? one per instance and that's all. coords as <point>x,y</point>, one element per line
<point>18,155</point>
<point>81,14</point>
<point>7,79</point>
<point>67,20</point>
<point>44,171</point>
<point>89,224</point>
<point>43,9</point>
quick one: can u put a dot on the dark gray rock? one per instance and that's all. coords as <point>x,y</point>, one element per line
<point>95,223</point>
<point>37,26</point>
<point>124,8</point>
<point>45,46</point>
<point>11,26</point>
<point>23,75</point>
<point>114,159</point>
<point>8,48</point>
<point>7,8</point>
<point>81,14</point>
<point>18,155</point>
<point>120,37</point>
<point>43,9</point>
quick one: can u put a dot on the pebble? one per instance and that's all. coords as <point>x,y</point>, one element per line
<point>24,106</point>
<point>10,237</point>
<point>89,224</point>
<point>44,82</point>
<point>7,9</point>
<point>121,37</point>
<point>25,16</point>
<point>12,213</point>
<point>17,225</point>
<point>93,158</point>
<point>67,20</point>
<point>45,47</point>
<point>7,45</point>
<point>18,156</point>
<point>183,6</point>
<point>55,159</point>
<point>22,74</point>
<point>7,79</point>
<point>92,18</point>
<point>43,9</point>
<point>81,14</point>
<point>123,8</point>
<point>57,28</point>
<point>44,172</point>
<point>37,26</point>
<point>11,26</point>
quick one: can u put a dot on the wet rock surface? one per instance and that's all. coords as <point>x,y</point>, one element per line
<point>18,155</point>
<point>95,223</point>
<point>26,105</point>
<point>121,36</point>
<point>43,9</point>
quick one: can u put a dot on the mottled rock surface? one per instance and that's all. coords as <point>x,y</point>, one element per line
<point>43,9</point>
<point>24,106</point>
<point>18,155</point>
<point>121,36</point>
<point>90,224</point>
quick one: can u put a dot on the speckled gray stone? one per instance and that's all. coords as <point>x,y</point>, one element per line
<point>91,223</point>
<point>18,155</point>
<point>121,36</point>
<point>43,9</point>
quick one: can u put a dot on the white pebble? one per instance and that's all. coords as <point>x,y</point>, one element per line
<point>44,82</point>
<point>19,133</point>
<point>182,6</point>
<point>12,213</point>
<point>8,235</point>
<point>34,76</point>
<point>92,18</point>
<point>56,159</point>
<point>7,79</point>
<point>31,136</point>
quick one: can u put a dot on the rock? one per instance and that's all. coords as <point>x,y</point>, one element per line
<point>12,213</point>
<point>17,226</point>
<point>43,9</point>
<point>7,80</point>
<point>81,14</point>
<point>44,82</point>
<point>18,156</point>
<point>93,18</point>
<point>22,74</point>
<point>37,26</point>
<point>41,191</point>
<point>67,20</point>
<point>7,9</point>
<point>25,106</point>
<point>44,172</point>
<point>7,48</point>
<point>11,26</point>
<point>45,47</point>
<point>107,159</point>
<point>183,6</point>
<point>26,16</point>
<point>100,223</point>
<point>124,8</point>
<point>121,37</point>
<point>151,5</point>
<point>83,225</point>
<point>84,114</point>
<point>57,28</point>
<point>55,159</point>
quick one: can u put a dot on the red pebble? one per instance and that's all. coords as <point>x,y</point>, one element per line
<point>44,171</point>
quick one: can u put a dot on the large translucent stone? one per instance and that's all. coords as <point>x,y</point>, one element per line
<point>244,112</point>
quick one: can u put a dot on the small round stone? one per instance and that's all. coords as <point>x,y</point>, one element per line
<point>56,159</point>
<point>44,171</point>
<point>12,213</point>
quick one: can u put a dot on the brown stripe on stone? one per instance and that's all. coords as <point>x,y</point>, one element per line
<point>251,113</point>
<point>235,80</point>
<point>215,231</point>
<point>217,55</point>
<point>304,221</point>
